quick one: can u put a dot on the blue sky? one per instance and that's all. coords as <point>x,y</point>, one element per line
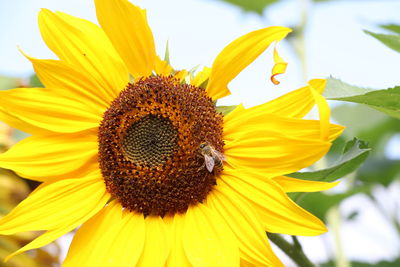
<point>198,29</point>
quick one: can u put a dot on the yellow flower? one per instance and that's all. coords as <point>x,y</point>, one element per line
<point>132,160</point>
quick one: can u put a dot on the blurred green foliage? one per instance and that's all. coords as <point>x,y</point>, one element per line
<point>386,100</point>
<point>354,153</point>
<point>378,130</point>
<point>319,203</point>
<point>391,27</point>
<point>34,81</point>
<point>369,123</point>
<point>395,263</point>
<point>8,82</point>
<point>256,6</point>
<point>14,189</point>
<point>390,40</point>
<point>225,109</point>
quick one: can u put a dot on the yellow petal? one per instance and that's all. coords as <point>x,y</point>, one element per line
<point>126,26</point>
<point>273,154</point>
<point>279,67</point>
<point>156,243</point>
<point>162,67</point>
<point>277,211</point>
<point>51,235</point>
<point>177,256</point>
<point>239,216</point>
<point>244,263</point>
<point>45,109</point>
<point>295,104</point>
<point>181,75</point>
<point>258,124</point>
<point>42,240</point>
<point>238,55</point>
<point>85,46</point>
<point>110,238</point>
<point>73,83</point>
<point>290,184</point>
<point>324,113</point>
<point>15,122</point>
<point>273,144</point>
<point>53,156</point>
<point>207,240</point>
<point>56,205</point>
<point>232,115</point>
<point>201,78</point>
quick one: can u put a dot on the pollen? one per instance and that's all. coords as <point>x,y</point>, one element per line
<point>149,146</point>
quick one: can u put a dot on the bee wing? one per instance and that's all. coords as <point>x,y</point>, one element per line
<point>209,161</point>
<point>219,155</point>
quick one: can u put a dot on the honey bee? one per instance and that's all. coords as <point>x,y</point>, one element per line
<point>212,157</point>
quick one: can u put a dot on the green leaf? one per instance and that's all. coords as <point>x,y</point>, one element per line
<point>8,82</point>
<point>355,152</point>
<point>319,203</point>
<point>391,27</point>
<point>386,100</point>
<point>166,55</point>
<point>367,124</point>
<point>359,119</point>
<point>390,40</point>
<point>336,150</point>
<point>335,88</point>
<point>379,171</point>
<point>256,6</point>
<point>34,81</point>
<point>377,129</point>
<point>225,109</point>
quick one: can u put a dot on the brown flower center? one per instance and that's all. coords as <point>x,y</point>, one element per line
<point>151,146</point>
<point>150,141</point>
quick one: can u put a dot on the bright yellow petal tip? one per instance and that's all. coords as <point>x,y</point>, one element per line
<point>290,184</point>
<point>126,26</point>
<point>201,77</point>
<point>279,67</point>
<point>318,84</point>
<point>162,67</point>
<point>181,75</point>
<point>238,55</point>
<point>316,87</point>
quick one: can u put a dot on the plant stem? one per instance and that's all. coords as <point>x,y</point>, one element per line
<point>300,42</point>
<point>334,220</point>
<point>294,251</point>
<point>391,218</point>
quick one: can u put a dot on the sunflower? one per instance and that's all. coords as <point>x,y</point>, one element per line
<point>139,155</point>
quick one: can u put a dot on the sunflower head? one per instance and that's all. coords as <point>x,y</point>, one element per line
<point>149,145</point>
<point>152,158</point>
